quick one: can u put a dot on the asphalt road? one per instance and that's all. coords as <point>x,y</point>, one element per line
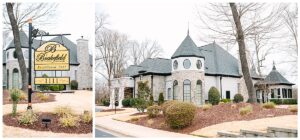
<point>102,134</point>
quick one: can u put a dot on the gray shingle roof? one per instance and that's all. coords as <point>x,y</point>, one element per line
<point>70,45</point>
<point>218,61</point>
<point>187,48</point>
<point>275,77</point>
<point>150,65</point>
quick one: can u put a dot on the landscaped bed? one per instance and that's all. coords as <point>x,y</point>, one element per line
<point>35,98</point>
<point>55,125</point>
<point>215,115</point>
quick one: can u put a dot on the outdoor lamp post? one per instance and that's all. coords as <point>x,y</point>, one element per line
<point>33,33</point>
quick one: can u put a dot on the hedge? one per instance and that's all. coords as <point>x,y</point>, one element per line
<point>284,101</point>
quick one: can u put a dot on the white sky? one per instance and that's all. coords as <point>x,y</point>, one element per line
<point>165,22</point>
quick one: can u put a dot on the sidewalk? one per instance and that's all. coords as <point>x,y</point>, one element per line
<point>132,130</point>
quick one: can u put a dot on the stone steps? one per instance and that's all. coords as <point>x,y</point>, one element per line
<point>269,132</point>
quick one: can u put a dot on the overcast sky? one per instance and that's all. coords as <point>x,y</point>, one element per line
<point>166,22</point>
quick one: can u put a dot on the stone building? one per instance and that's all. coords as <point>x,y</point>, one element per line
<point>80,63</point>
<point>187,76</point>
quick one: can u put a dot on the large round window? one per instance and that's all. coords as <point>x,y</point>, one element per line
<point>186,64</point>
<point>175,64</point>
<point>199,64</point>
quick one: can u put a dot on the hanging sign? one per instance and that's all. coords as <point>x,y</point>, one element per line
<point>52,56</point>
<point>51,80</point>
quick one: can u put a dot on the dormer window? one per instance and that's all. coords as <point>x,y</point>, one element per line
<point>186,63</point>
<point>199,64</point>
<point>175,64</point>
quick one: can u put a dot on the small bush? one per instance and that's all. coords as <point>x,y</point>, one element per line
<point>54,87</point>
<point>293,108</point>
<point>44,98</point>
<point>126,102</point>
<point>269,105</point>
<point>161,98</point>
<point>165,105</point>
<point>87,117</point>
<point>63,110</point>
<point>151,100</point>
<point>238,98</point>
<point>153,111</point>
<point>132,102</point>
<point>134,119</point>
<point>74,85</point>
<point>15,97</point>
<point>284,101</point>
<point>28,118</point>
<point>23,96</point>
<point>246,110</point>
<point>226,100</point>
<point>68,120</point>
<point>180,114</point>
<point>141,104</point>
<point>213,96</point>
<point>206,107</point>
<point>61,87</point>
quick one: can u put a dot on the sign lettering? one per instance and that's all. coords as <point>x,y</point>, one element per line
<point>51,80</point>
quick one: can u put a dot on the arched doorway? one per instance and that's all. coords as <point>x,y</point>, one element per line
<point>187,90</point>
<point>15,78</point>
<point>198,96</point>
<point>175,90</point>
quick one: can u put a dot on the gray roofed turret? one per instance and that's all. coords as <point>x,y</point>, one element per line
<point>275,77</point>
<point>187,48</point>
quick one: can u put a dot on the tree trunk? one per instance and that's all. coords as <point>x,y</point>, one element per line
<point>17,43</point>
<point>242,53</point>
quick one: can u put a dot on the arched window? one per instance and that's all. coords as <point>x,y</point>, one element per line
<point>15,78</point>
<point>175,90</point>
<point>187,90</point>
<point>198,92</point>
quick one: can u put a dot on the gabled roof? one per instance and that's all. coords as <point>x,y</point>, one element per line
<point>218,61</point>
<point>159,66</point>
<point>70,45</point>
<point>187,48</point>
<point>275,77</point>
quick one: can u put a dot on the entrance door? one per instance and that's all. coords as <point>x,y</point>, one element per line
<point>227,94</point>
<point>199,93</point>
<point>15,78</point>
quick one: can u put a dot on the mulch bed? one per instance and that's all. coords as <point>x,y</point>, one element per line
<point>34,98</point>
<point>82,128</point>
<point>138,114</point>
<point>217,114</point>
<point>111,110</point>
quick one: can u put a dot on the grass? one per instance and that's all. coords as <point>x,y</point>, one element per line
<point>63,110</point>
<point>206,107</point>
<point>246,110</point>
<point>269,105</point>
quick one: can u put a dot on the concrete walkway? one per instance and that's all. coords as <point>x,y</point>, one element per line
<point>132,130</point>
<point>288,121</point>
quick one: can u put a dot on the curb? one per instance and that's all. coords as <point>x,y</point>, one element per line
<point>113,131</point>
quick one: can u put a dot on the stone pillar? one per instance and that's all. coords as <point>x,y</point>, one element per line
<point>112,97</point>
<point>121,96</point>
<point>84,73</point>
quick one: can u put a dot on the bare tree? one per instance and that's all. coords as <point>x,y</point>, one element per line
<point>17,42</point>
<point>146,49</point>
<point>242,52</point>
<point>111,54</point>
<point>41,13</point>
<point>101,21</point>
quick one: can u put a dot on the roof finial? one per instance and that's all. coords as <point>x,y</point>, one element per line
<point>188,31</point>
<point>274,68</point>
